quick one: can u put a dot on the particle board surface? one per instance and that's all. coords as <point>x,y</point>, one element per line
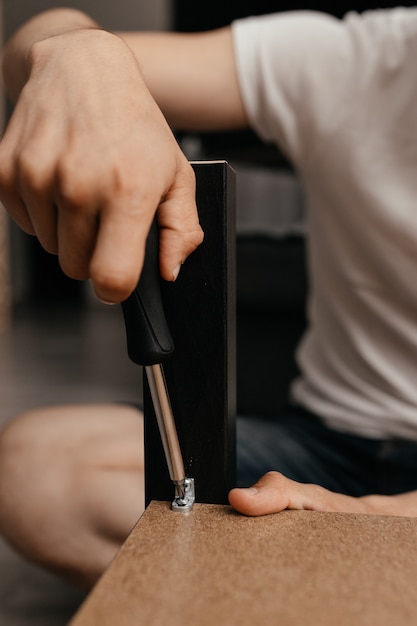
<point>216,567</point>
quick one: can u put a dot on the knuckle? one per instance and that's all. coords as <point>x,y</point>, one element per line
<point>274,474</point>
<point>318,491</point>
<point>82,184</point>
<point>276,477</point>
<point>31,173</point>
<point>74,188</point>
<point>34,52</point>
<point>49,242</point>
<point>121,182</point>
<point>197,237</point>
<point>188,174</point>
<point>26,167</point>
<point>73,269</point>
<point>112,287</point>
<point>192,240</point>
<point>7,178</point>
<point>73,257</point>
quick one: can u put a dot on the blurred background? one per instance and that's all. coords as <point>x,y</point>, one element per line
<point>58,344</point>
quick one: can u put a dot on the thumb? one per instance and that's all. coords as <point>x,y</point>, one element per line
<point>180,231</point>
<point>275,492</point>
<point>270,494</point>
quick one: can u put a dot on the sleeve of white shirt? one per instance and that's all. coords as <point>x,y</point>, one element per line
<point>288,65</point>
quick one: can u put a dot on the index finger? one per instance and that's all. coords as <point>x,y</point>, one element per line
<point>119,252</point>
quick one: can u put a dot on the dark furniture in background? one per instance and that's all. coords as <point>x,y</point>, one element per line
<point>270,319</point>
<point>218,13</point>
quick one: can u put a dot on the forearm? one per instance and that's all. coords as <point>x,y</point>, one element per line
<point>192,77</point>
<point>17,50</point>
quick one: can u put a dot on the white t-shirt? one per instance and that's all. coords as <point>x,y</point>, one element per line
<point>339,98</point>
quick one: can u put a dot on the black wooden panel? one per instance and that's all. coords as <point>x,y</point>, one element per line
<point>201,378</point>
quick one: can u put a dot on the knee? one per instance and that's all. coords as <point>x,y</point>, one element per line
<point>61,470</point>
<point>16,447</point>
<point>35,480</point>
<point>23,455</point>
<point>15,497</point>
<point>23,450</point>
<point>31,477</point>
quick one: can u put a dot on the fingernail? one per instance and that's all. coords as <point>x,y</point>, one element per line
<point>176,272</point>
<point>106,302</point>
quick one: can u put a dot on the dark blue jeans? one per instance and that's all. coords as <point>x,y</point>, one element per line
<point>301,446</point>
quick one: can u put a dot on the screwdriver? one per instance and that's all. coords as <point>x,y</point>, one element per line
<point>149,343</point>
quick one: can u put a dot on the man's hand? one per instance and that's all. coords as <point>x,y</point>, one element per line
<point>87,160</point>
<point>274,492</point>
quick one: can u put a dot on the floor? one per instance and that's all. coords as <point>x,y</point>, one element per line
<point>52,355</point>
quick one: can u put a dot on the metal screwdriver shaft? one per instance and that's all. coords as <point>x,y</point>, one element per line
<point>167,428</point>
<point>149,343</point>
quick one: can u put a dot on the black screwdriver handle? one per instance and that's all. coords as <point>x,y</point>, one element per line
<point>148,338</point>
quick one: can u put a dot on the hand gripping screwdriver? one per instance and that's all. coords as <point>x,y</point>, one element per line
<point>149,343</point>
